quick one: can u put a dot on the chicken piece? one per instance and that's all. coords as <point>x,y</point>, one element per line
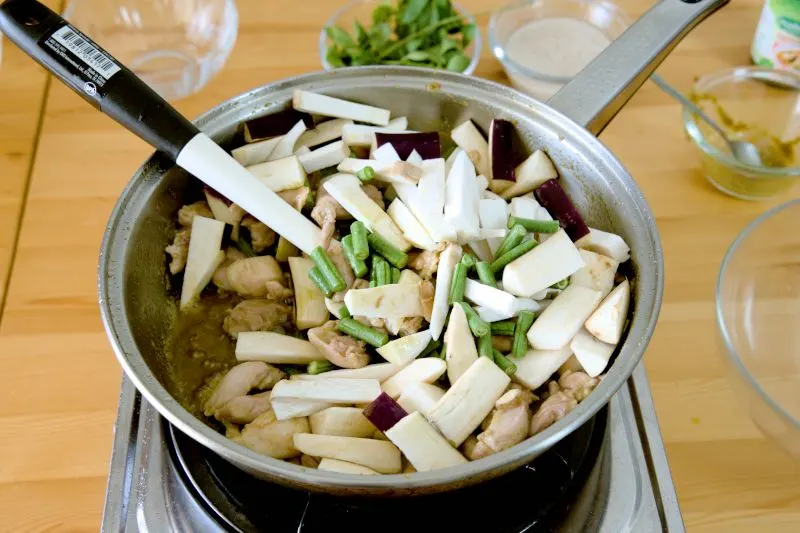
<point>245,409</point>
<point>468,447</point>
<point>425,263</point>
<point>552,409</point>
<point>179,250</point>
<point>410,325</point>
<point>237,215</point>
<point>341,350</point>
<point>269,436</point>
<point>506,425</point>
<point>261,236</point>
<point>309,461</point>
<point>256,315</point>
<point>374,194</point>
<point>297,198</point>
<point>187,213</point>
<point>220,278</point>
<point>324,214</point>
<point>240,380</point>
<point>257,277</point>
<point>577,384</point>
<point>336,253</point>
<point>426,293</point>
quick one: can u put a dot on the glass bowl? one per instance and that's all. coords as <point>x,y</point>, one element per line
<point>607,19</point>
<point>175,46</point>
<point>758,314</point>
<point>361,10</point>
<point>755,104</point>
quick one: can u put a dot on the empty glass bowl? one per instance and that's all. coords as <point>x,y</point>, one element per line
<point>758,314</point>
<point>175,46</point>
<point>754,104</point>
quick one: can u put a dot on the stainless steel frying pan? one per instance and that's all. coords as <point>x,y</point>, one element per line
<point>138,311</point>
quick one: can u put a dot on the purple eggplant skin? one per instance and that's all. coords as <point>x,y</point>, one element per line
<point>501,150</point>
<point>384,412</point>
<point>275,124</point>
<point>425,143</point>
<point>553,198</point>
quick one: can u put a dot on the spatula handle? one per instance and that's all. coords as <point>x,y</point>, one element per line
<point>95,75</point>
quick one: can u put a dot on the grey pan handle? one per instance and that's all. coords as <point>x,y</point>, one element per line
<point>595,95</point>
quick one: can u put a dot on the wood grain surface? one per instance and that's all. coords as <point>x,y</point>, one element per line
<point>60,380</point>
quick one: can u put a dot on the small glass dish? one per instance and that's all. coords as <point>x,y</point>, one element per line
<point>602,22</point>
<point>361,10</point>
<point>755,104</point>
<point>758,313</point>
<point>175,46</point>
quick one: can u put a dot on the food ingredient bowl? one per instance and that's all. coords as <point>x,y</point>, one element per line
<point>758,312</point>
<point>754,104</point>
<point>362,11</point>
<point>563,36</point>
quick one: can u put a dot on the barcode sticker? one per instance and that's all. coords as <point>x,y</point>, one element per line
<point>86,51</point>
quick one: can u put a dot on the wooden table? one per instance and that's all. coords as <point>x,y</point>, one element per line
<point>67,164</point>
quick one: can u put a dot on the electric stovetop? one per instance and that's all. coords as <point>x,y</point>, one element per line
<point>610,476</point>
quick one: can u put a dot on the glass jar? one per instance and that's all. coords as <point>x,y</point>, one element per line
<point>777,40</point>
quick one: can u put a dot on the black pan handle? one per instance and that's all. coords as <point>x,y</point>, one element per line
<point>95,75</point>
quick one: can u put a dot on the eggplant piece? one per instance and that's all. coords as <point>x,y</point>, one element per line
<point>324,132</point>
<point>381,456</point>
<point>501,150</point>
<point>336,107</point>
<point>425,143</point>
<point>275,124</point>
<point>469,139</point>
<point>555,200</point>
<point>331,390</point>
<point>530,174</point>
<point>384,412</point>
<point>203,258</point>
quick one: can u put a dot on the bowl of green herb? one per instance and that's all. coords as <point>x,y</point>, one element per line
<point>421,33</point>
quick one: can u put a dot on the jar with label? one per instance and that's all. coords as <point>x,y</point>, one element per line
<point>777,40</point>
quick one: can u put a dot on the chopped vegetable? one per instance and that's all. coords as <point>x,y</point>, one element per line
<point>536,226</point>
<point>379,371</point>
<point>356,329</point>
<point>330,390</point>
<point>359,267</point>
<point>462,198</point>
<point>458,282</point>
<point>412,230</point>
<point>555,200</point>
<point>425,370</point>
<point>512,240</point>
<point>501,150</point>
<point>477,325</point>
<point>346,189</point>
<point>485,348</point>
<point>505,328</point>
<point>275,124</point>
<point>334,107</point>
<point>468,260</point>
<point>360,135</point>
<point>384,412</point>
<point>460,351</point>
<point>504,363</point>
<point>395,275</point>
<point>287,408</point>
<point>420,397</point>
<point>608,244</point>
<point>394,172</point>
<point>470,140</point>
<point>385,248</point>
<point>310,309</point>
<point>553,260</point>
<point>426,144</point>
<point>203,258</point>
<point>485,296</point>
<point>344,467</point>
<point>479,246</point>
<point>493,215</point>
<point>561,321</point>
<point>485,274</point>
<point>469,400</point>
<point>380,268</point>
<point>381,456</point>
<point>333,278</point>
<point>326,156</point>
<point>530,174</point>
<point>432,184</point>
<point>405,349</point>
<point>257,152</point>
<point>592,354</point>
<point>598,274</point>
<point>608,320</point>
<point>323,132</point>
<point>280,174</point>
<point>562,284</point>
<point>319,367</point>
<point>388,301</point>
<point>524,323</point>
<point>422,445</point>
<point>536,366</point>
<point>360,245</point>
<point>431,348</point>
<point>513,254</point>
<point>285,146</point>
<point>366,174</point>
<point>319,280</point>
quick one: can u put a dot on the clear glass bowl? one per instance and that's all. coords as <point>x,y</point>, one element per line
<point>607,17</point>
<point>175,46</point>
<point>756,104</point>
<point>361,10</point>
<point>758,315</point>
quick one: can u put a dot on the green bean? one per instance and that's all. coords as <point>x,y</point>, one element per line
<point>458,283</point>
<point>536,226</point>
<point>432,347</point>
<point>291,370</point>
<point>333,278</point>
<point>485,274</point>
<point>391,253</point>
<point>366,173</point>
<point>315,276</point>
<point>372,284</point>
<point>515,253</point>
<point>318,367</point>
<point>443,352</point>
<point>477,325</point>
<point>485,348</point>
<point>344,312</point>
<point>561,285</point>
<point>395,274</point>
<point>468,260</point>
<point>357,330</point>
<point>504,363</point>
<point>379,267</point>
<point>524,321</point>
<point>359,267</point>
<point>504,328</point>
<point>512,239</point>
<point>360,245</point>
<point>387,272</point>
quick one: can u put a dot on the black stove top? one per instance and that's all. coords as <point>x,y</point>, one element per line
<point>534,498</point>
